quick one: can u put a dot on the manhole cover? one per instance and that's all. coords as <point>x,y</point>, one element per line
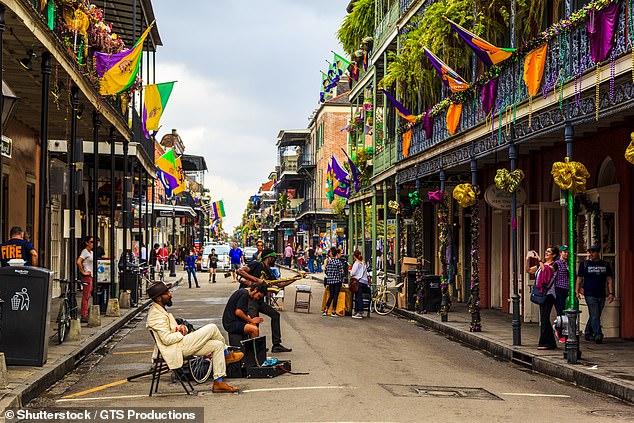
<point>439,392</point>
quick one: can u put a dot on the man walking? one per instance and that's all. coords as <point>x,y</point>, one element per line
<point>17,248</point>
<point>237,258</point>
<point>288,255</point>
<point>592,277</point>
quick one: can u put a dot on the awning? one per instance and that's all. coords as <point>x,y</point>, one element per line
<point>167,210</point>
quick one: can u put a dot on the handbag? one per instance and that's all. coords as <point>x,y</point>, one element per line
<point>537,296</point>
<point>353,286</point>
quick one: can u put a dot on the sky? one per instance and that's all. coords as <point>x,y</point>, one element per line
<point>245,70</point>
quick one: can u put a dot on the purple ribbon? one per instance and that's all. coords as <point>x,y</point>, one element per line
<point>601,31</point>
<point>489,94</point>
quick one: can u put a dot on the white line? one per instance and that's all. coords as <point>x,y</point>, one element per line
<point>297,388</point>
<point>115,397</point>
<point>517,394</point>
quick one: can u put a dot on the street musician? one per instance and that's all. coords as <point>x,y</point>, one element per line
<point>260,271</point>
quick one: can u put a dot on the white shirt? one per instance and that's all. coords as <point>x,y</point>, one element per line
<point>87,263</point>
<point>359,272</point>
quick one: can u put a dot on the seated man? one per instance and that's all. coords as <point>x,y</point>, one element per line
<point>175,342</point>
<point>259,271</point>
<point>236,319</point>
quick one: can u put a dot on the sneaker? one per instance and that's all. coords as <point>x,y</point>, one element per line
<point>83,319</point>
<point>324,313</point>
<point>357,316</point>
<point>333,314</point>
<point>599,339</point>
<point>562,340</point>
<point>279,348</point>
<point>588,338</point>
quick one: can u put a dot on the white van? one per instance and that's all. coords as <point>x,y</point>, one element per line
<point>222,251</point>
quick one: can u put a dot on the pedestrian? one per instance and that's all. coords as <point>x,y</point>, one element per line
<point>545,274</point>
<point>155,261</point>
<point>288,255</point>
<point>99,252</point>
<point>592,277</point>
<point>319,258</point>
<point>16,247</point>
<point>84,264</point>
<point>237,259</point>
<point>190,266</point>
<point>359,272</point>
<point>334,280</point>
<point>311,259</point>
<point>213,265</point>
<point>562,282</point>
<point>164,256</point>
<point>258,254</point>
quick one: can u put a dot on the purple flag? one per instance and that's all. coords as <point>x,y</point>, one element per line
<point>490,94</point>
<point>356,176</point>
<point>601,30</point>
<point>338,172</point>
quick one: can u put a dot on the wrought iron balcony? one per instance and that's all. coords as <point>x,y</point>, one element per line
<point>288,166</point>
<point>315,205</point>
<point>568,56</point>
<point>384,156</point>
<point>387,25</point>
<point>306,161</point>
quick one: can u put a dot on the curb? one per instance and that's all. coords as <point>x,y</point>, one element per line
<point>547,366</point>
<point>24,393</point>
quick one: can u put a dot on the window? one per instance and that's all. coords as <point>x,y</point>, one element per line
<point>30,209</point>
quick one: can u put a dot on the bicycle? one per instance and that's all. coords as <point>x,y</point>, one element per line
<point>67,308</point>
<point>383,300</point>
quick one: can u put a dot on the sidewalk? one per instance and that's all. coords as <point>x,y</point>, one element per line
<point>607,368</point>
<point>26,382</point>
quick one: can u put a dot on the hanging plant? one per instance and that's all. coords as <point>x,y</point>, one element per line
<point>357,24</point>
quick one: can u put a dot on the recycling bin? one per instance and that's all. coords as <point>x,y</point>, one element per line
<point>432,293</point>
<point>131,283</point>
<point>24,314</point>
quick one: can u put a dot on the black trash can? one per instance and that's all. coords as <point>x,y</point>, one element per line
<point>432,293</point>
<point>411,289</point>
<point>131,283</point>
<point>24,317</point>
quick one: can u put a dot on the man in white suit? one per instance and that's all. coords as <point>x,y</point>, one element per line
<point>174,341</point>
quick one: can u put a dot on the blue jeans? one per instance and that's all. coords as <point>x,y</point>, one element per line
<point>358,297</point>
<point>595,307</point>
<point>311,265</point>
<point>319,262</point>
<point>190,271</point>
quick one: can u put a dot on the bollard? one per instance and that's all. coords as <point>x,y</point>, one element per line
<point>124,299</point>
<point>74,333</point>
<point>4,375</point>
<point>113,308</point>
<point>94,315</point>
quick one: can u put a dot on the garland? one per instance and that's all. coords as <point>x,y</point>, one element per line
<point>443,230</point>
<point>473,304</point>
<point>418,231</point>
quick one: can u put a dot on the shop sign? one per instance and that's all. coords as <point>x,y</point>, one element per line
<point>500,199</point>
<point>7,147</point>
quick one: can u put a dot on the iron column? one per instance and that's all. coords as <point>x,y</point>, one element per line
<point>72,172</point>
<point>96,123</point>
<point>42,234</point>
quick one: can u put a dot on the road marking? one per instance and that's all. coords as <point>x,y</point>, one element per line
<point>116,397</point>
<point>132,352</point>
<point>96,389</point>
<point>518,394</point>
<point>297,388</point>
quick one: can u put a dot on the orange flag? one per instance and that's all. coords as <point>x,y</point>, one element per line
<point>534,69</point>
<point>453,117</point>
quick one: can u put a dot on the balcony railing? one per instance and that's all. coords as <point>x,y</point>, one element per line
<point>315,205</point>
<point>388,24</point>
<point>288,166</point>
<point>289,214</point>
<point>306,160</point>
<point>384,156</point>
<point>568,56</point>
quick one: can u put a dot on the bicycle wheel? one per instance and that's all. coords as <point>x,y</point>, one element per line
<point>200,369</point>
<point>384,303</point>
<point>63,321</point>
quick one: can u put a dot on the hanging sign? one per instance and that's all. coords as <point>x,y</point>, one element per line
<point>500,199</point>
<point>6,147</point>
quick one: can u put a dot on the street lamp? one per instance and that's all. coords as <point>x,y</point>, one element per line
<point>172,258</point>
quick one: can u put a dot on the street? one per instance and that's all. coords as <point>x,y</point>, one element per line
<point>381,369</point>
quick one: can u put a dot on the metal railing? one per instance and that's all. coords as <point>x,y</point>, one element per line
<point>288,166</point>
<point>568,57</point>
<point>387,25</point>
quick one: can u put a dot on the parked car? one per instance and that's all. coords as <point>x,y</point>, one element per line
<point>248,253</point>
<point>222,250</point>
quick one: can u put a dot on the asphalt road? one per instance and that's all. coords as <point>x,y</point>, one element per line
<point>381,369</point>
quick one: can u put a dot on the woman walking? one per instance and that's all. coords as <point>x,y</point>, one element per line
<point>359,272</point>
<point>190,266</point>
<point>545,273</point>
<point>334,279</point>
<point>84,264</point>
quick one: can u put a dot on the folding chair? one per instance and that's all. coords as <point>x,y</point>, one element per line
<point>277,299</point>
<point>302,303</point>
<point>159,366</point>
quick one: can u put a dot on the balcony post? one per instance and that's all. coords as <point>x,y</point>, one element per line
<point>362,204</point>
<point>571,352</point>
<point>474,307</point>
<point>397,232</point>
<point>3,223</point>
<point>444,301</point>
<point>112,138</point>
<point>124,214</point>
<point>373,243</point>
<point>515,298</point>
<point>43,231</point>
<point>72,172</point>
<point>385,231</point>
<point>96,123</point>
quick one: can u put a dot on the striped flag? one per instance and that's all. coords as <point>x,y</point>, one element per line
<point>485,51</point>
<point>219,209</point>
<point>449,76</point>
<point>154,101</point>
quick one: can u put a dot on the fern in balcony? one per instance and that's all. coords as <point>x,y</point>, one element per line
<point>357,24</point>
